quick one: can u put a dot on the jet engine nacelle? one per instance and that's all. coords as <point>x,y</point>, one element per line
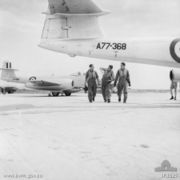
<point>67,84</point>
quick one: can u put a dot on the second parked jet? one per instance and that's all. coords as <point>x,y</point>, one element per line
<point>62,85</point>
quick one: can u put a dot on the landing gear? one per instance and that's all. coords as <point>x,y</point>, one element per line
<point>67,93</point>
<point>55,94</point>
<point>3,91</point>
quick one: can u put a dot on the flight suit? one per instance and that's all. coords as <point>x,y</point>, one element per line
<point>107,78</point>
<point>173,86</point>
<point>123,79</point>
<point>173,83</point>
<point>92,79</point>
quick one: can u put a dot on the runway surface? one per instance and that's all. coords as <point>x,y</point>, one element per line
<point>67,138</point>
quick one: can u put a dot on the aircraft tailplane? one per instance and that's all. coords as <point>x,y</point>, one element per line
<point>7,73</point>
<point>65,22</point>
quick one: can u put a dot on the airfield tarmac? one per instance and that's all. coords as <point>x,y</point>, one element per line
<point>67,138</point>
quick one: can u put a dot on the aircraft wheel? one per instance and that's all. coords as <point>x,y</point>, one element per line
<point>55,93</point>
<point>10,92</point>
<point>4,91</point>
<point>67,93</point>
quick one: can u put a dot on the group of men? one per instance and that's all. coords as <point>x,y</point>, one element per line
<point>121,81</point>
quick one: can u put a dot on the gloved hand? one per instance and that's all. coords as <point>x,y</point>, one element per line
<point>85,89</point>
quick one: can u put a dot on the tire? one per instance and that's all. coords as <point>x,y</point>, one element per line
<point>55,94</point>
<point>3,91</point>
<point>67,93</point>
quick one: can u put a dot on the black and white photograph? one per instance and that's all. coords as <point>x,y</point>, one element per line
<point>89,89</point>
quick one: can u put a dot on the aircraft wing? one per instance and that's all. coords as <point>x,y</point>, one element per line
<point>73,7</point>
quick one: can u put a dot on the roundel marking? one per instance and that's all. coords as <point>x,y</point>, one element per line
<point>175,50</point>
<point>33,78</point>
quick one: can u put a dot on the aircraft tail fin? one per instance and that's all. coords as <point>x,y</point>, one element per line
<point>72,19</point>
<point>7,72</point>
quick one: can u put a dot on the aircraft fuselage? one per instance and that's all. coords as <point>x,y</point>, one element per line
<point>163,52</point>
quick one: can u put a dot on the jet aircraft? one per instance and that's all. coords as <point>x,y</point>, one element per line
<point>54,85</point>
<point>71,27</point>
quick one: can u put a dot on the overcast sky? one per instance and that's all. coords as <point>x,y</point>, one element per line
<point>21,24</point>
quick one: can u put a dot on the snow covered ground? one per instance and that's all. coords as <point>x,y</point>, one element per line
<point>66,138</point>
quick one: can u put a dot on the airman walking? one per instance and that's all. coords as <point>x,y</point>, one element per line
<point>92,81</point>
<point>107,79</point>
<point>122,81</point>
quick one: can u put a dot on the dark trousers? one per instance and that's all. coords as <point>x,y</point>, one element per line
<point>122,88</point>
<point>92,89</point>
<point>106,91</point>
